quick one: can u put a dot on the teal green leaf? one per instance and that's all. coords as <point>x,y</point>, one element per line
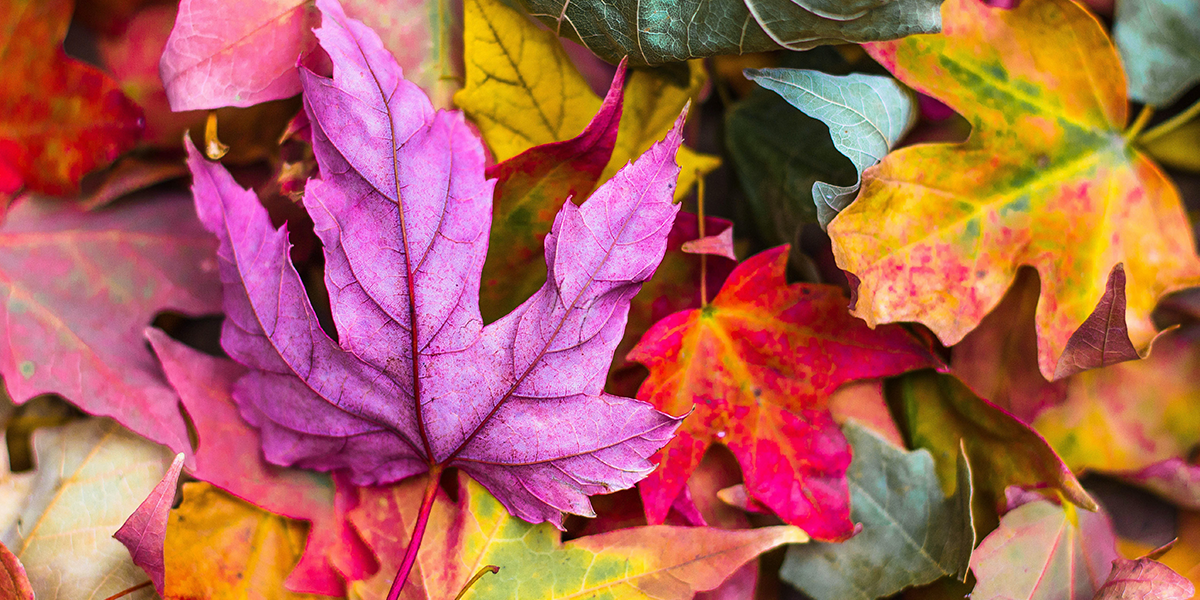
<point>866,116</point>
<point>1159,41</point>
<point>654,32</point>
<point>911,535</point>
<point>779,153</point>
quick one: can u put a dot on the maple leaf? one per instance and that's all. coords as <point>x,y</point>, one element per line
<point>866,116</point>
<point>1046,179</point>
<point>415,382</point>
<point>660,562</point>
<point>221,548</point>
<point>229,456</point>
<point>59,118</point>
<point>227,53</point>
<point>531,188</point>
<point>80,288</point>
<point>756,368</point>
<point>1043,551</point>
<point>998,360</point>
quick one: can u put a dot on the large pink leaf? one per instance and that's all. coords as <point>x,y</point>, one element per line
<point>243,52</point>
<point>78,290</point>
<point>228,456</point>
<point>414,380</point>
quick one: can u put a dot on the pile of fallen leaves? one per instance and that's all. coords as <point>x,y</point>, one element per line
<point>533,299</point>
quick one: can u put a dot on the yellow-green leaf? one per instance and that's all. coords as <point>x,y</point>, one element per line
<point>658,562</point>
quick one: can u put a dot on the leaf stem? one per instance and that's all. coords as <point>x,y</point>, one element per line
<point>1171,124</point>
<point>493,569</point>
<point>703,256</point>
<point>1139,123</point>
<point>130,590</point>
<point>213,148</point>
<point>414,544</point>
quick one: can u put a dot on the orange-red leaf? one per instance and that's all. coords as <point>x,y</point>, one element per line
<point>59,118</point>
<point>757,367</point>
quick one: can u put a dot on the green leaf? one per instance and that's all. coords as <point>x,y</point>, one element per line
<point>943,413</point>
<point>779,154</point>
<point>1159,42</point>
<point>911,535</point>
<point>866,116</point>
<point>653,32</point>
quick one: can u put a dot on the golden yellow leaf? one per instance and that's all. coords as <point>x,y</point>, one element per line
<point>219,547</point>
<point>523,91</point>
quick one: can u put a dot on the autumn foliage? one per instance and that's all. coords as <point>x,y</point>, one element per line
<point>728,299</point>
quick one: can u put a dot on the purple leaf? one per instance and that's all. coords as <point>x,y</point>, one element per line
<point>145,531</point>
<point>78,290</point>
<point>415,380</point>
<point>1103,339</point>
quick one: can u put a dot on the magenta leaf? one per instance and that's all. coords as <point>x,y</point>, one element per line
<point>145,531</point>
<point>78,290</point>
<point>414,381</point>
<point>228,456</point>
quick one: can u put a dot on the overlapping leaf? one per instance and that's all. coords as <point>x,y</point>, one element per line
<point>415,381</point>
<point>530,190</point>
<point>912,534</point>
<point>522,91</point>
<point>226,53</point>
<point>1145,579</point>
<point>866,116</point>
<point>59,118</point>
<point>221,548</point>
<point>755,369</point>
<point>229,456</point>
<point>13,582</point>
<point>1043,551</point>
<point>998,360</point>
<point>1130,416</point>
<point>79,289</point>
<point>91,475</point>
<point>1046,179</point>
<point>1157,41</point>
<point>145,531</point>
<point>664,31</point>
<point>944,415</point>
<point>659,562</point>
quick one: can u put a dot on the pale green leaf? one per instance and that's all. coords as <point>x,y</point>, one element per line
<point>911,535</point>
<point>1159,41</point>
<point>866,116</point>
